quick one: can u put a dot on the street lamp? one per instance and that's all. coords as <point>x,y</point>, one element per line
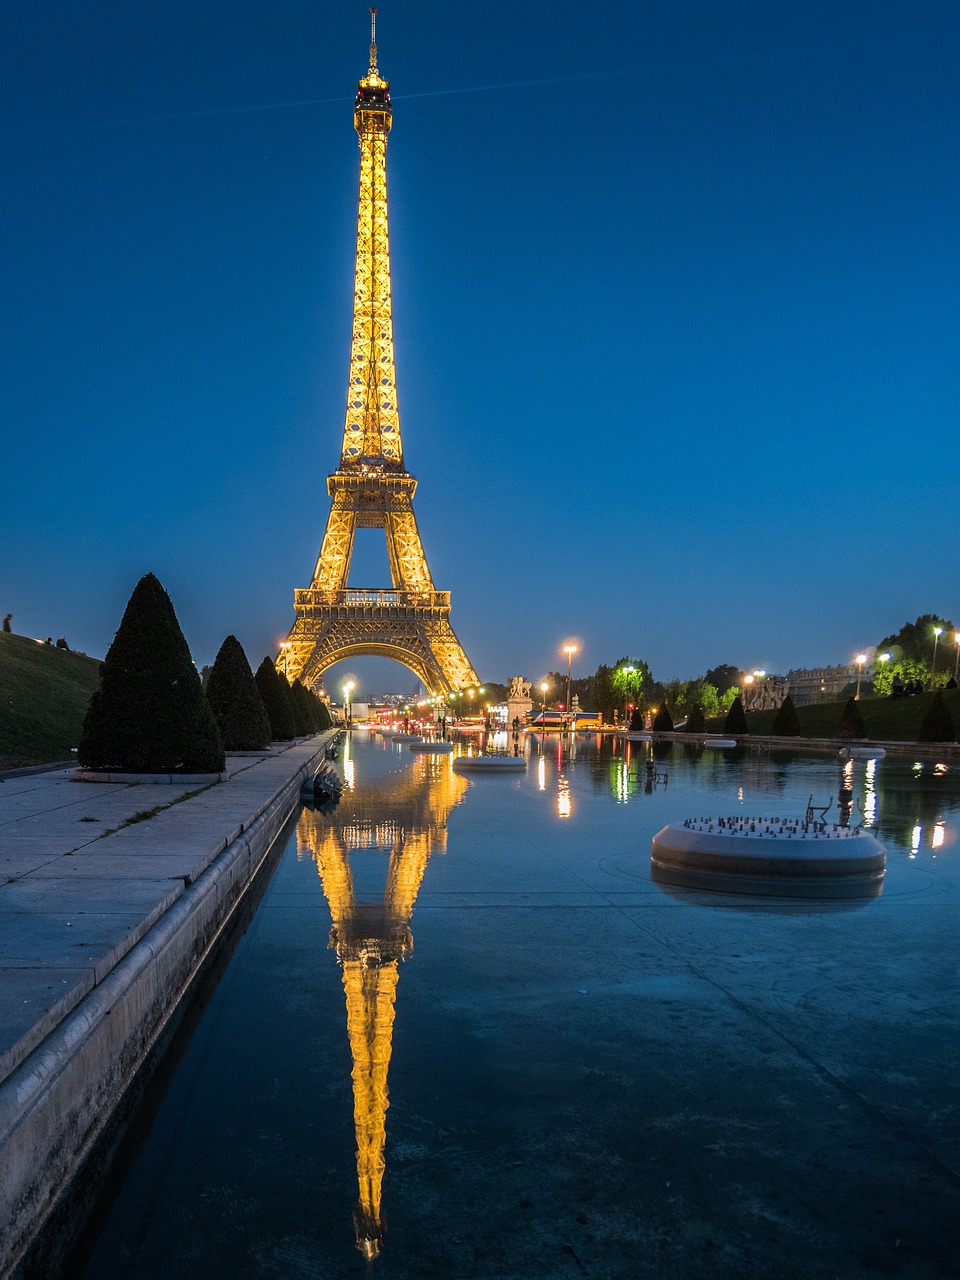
<point>860,660</point>
<point>543,700</point>
<point>627,671</point>
<point>569,650</point>
<point>347,690</point>
<point>937,633</point>
<point>956,665</point>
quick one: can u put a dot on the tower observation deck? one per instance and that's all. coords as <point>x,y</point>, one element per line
<point>371,488</point>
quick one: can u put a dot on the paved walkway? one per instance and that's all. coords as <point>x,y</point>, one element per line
<point>87,868</point>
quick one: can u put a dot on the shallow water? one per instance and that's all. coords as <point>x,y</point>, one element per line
<point>466,1032</point>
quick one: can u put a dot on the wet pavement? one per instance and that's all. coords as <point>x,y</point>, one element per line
<point>466,1031</point>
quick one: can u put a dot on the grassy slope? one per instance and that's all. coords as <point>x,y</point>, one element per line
<point>884,719</point>
<point>44,694</point>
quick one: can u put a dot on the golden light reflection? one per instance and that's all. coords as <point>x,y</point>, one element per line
<point>938,834</point>
<point>564,799</point>
<point>542,773</point>
<point>407,816</point>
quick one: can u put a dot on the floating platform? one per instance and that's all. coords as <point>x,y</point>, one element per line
<point>768,856</point>
<point>724,743</point>
<point>861,753</point>
<point>489,764</point>
<point>431,748</point>
<point>639,737</point>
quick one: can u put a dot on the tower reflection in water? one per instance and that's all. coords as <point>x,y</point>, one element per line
<point>404,816</point>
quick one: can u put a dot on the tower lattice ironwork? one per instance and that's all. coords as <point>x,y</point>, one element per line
<point>372,488</point>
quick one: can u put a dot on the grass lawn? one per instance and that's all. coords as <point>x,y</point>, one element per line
<point>884,719</point>
<point>44,694</point>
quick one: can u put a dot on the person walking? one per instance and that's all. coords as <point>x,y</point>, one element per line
<point>6,622</point>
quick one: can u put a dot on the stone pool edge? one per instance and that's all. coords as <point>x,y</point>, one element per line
<point>57,1101</point>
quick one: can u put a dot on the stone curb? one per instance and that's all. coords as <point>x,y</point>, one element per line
<point>150,779</point>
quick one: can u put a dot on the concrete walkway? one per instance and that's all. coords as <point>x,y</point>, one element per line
<point>81,880</point>
<point>110,894</point>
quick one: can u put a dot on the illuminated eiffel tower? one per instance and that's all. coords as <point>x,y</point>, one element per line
<point>372,489</point>
<point>408,817</point>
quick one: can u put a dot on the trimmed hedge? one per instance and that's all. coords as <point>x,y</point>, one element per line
<point>150,714</point>
<point>277,699</point>
<point>235,700</point>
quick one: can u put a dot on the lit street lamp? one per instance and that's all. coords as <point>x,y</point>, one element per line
<point>569,650</point>
<point>860,660</point>
<point>347,691</point>
<point>937,633</point>
<point>627,671</point>
<point>543,702</point>
<point>956,665</point>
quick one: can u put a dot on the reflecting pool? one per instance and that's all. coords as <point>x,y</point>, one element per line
<point>467,1035</point>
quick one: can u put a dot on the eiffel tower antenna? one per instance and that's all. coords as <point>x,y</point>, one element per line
<point>371,488</point>
<point>373,42</point>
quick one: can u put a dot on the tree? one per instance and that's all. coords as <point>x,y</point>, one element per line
<point>302,711</point>
<point>663,720</point>
<point>786,723</point>
<point>724,677</point>
<point>851,721</point>
<point>235,700</point>
<point>937,724</point>
<point>696,721</point>
<point>736,721</point>
<point>150,714</point>
<point>324,718</point>
<point>603,697</point>
<point>277,698</point>
<point>911,653</point>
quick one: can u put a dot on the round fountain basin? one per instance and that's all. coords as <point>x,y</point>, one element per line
<point>489,764</point>
<point>740,855</point>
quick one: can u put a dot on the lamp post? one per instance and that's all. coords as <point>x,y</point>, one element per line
<point>569,650</point>
<point>860,660</point>
<point>347,690</point>
<point>937,633</point>
<point>627,671</point>
<point>543,704</point>
<point>956,665</point>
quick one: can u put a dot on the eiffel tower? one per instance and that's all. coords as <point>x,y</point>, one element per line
<point>371,488</point>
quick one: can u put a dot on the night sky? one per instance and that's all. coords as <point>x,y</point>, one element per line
<point>676,311</point>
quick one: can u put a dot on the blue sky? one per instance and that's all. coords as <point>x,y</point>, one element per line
<point>676,307</point>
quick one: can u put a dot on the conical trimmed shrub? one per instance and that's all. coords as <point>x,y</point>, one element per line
<point>736,721</point>
<point>696,721</point>
<point>636,720</point>
<point>937,724</point>
<point>302,709</point>
<point>235,700</point>
<point>663,721</point>
<point>786,723</point>
<point>150,714</point>
<point>851,721</point>
<point>324,718</point>
<point>277,699</point>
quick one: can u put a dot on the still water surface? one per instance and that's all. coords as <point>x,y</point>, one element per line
<point>466,1035</point>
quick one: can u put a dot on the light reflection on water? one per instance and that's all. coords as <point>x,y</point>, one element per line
<point>402,822</point>
<point>406,819</point>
